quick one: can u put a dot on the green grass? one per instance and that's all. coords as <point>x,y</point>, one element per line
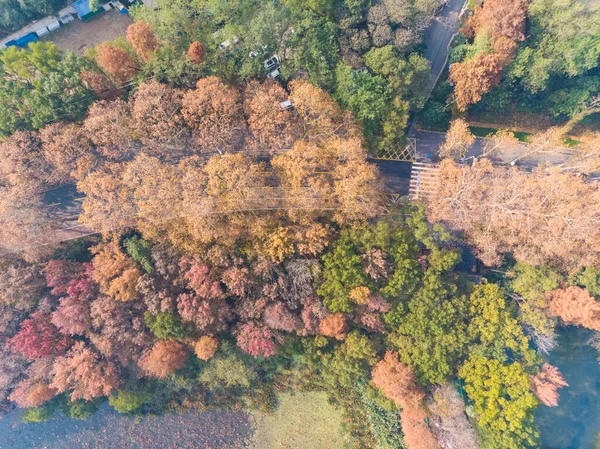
<point>485,132</point>
<point>302,421</point>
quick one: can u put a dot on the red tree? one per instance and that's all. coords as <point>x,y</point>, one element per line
<point>38,338</point>
<point>209,315</point>
<point>143,39</point>
<point>574,305</point>
<point>59,274</point>
<point>85,374</point>
<point>165,357</point>
<point>277,316</point>
<point>545,385</point>
<point>256,340</point>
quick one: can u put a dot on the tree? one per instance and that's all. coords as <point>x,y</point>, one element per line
<point>227,372</point>
<point>502,401</point>
<point>72,316</point>
<point>574,306</point>
<point>119,64</point>
<point>127,401</point>
<point>84,374</point>
<point>272,128</point>
<point>65,146</point>
<point>156,109</point>
<point>116,273</point>
<point>109,127</point>
<point>38,338</point>
<point>208,315</point>
<point>449,422</point>
<point>256,340</point>
<point>334,326</point>
<point>32,394</point>
<point>546,383</point>
<point>165,357</point>
<point>541,217</point>
<point>458,140</point>
<point>561,42</point>
<point>100,84</point>
<point>196,53</point>
<point>140,251</point>
<point>206,347</point>
<point>165,325</point>
<point>398,383</point>
<point>21,285</point>
<point>214,113</point>
<point>590,280</point>
<point>475,77</point>
<point>142,38</point>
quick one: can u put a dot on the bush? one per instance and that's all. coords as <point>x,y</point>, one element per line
<point>129,401</point>
<point>84,409</point>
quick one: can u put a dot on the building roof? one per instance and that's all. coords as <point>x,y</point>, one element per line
<point>82,7</point>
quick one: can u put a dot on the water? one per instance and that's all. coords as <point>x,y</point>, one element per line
<point>108,430</point>
<point>576,420</point>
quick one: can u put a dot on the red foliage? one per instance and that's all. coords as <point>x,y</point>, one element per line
<point>165,357</point>
<point>256,340</point>
<point>312,313</point>
<point>397,381</point>
<point>209,315</point>
<point>85,374</point>
<point>38,338</point>
<point>201,279</point>
<point>72,316</point>
<point>416,433</point>
<point>334,326</point>
<point>59,273</point>
<point>574,305</point>
<point>278,317</point>
<point>545,385</point>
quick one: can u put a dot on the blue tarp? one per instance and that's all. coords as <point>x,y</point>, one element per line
<point>24,41</point>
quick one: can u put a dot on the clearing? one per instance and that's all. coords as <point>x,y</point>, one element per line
<point>78,36</point>
<point>302,421</point>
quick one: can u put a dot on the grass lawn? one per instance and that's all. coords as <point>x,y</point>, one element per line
<point>302,421</point>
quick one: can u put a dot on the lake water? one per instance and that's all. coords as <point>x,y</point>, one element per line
<point>108,430</point>
<point>576,420</point>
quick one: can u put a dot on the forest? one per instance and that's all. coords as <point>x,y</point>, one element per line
<point>244,248</point>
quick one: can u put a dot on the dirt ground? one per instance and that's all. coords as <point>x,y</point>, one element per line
<point>78,36</point>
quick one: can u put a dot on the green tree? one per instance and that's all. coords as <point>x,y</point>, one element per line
<point>140,250</point>
<point>82,409</point>
<point>493,325</point>
<point>502,402</point>
<point>127,401</point>
<point>432,336</point>
<point>590,280</point>
<point>165,324</point>
<point>227,372</point>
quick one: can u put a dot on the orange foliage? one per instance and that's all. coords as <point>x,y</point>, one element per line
<point>143,39</point>
<point>545,385</point>
<point>119,64</point>
<point>214,113</point>
<point>165,357</point>
<point>416,433</point>
<point>32,393</point>
<point>334,326</point>
<point>475,77</point>
<point>206,347</point>
<point>115,272</point>
<point>397,381</point>
<point>574,305</point>
<point>196,53</point>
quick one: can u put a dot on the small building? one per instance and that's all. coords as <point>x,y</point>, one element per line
<point>83,10</point>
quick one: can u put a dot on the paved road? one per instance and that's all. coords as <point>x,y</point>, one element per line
<point>439,34</point>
